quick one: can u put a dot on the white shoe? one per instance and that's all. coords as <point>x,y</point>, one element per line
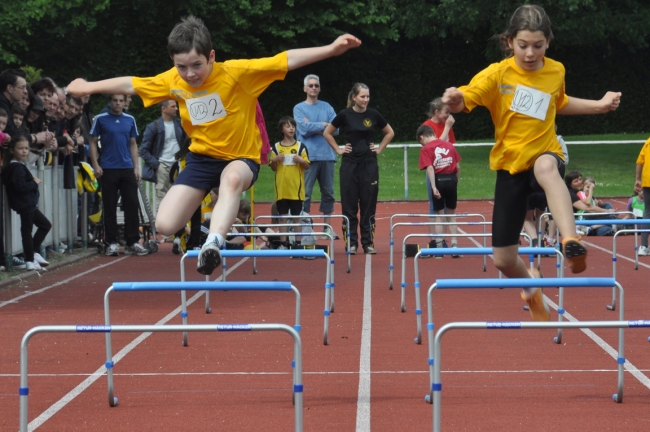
<point>644,251</point>
<point>113,249</point>
<point>40,260</point>
<point>136,249</point>
<point>29,265</point>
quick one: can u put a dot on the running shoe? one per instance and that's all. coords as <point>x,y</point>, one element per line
<point>454,245</point>
<point>40,260</point>
<point>136,249</point>
<point>353,250</point>
<point>176,246</point>
<point>369,250</point>
<point>113,249</point>
<point>575,253</point>
<point>209,258</point>
<point>536,305</point>
<point>18,263</point>
<point>644,251</point>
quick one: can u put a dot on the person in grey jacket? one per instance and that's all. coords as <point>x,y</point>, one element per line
<point>162,139</point>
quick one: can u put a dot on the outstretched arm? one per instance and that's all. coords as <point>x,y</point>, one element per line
<point>608,103</point>
<point>304,56</point>
<point>81,87</point>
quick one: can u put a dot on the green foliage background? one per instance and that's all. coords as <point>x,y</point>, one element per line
<point>412,50</point>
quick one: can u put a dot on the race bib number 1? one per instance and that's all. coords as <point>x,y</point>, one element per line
<point>530,102</point>
<point>205,109</point>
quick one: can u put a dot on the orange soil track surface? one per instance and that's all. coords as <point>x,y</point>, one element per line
<point>502,380</point>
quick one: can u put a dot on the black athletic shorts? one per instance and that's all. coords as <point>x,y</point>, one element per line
<point>293,207</point>
<point>511,202</point>
<point>447,185</point>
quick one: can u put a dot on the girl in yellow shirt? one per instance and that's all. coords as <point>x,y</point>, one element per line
<point>523,93</point>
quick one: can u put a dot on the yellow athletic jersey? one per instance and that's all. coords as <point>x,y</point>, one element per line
<point>289,179</point>
<point>520,138</point>
<point>644,159</point>
<point>219,116</point>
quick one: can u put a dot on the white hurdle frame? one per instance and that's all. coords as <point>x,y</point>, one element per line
<point>483,234</point>
<point>513,283</point>
<point>346,238</point>
<point>393,225</point>
<point>269,253</point>
<point>23,391</point>
<point>530,251</point>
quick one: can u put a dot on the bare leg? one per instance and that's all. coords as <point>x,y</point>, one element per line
<point>177,207</point>
<point>453,229</point>
<point>529,226</point>
<point>557,194</point>
<point>234,179</point>
<point>509,262</point>
<point>440,229</point>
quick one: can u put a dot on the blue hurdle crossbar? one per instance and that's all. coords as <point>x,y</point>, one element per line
<point>431,216</point>
<point>195,285</point>
<point>436,384</point>
<point>23,391</point>
<point>452,251</point>
<point>516,283</point>
<point>477,251</point>
<point>296,253</point>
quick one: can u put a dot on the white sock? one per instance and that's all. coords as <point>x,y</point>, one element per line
<point>529,291</point>
<point>217,236</point>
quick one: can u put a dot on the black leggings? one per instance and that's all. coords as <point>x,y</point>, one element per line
<point>27,222</point>
<point>359,184</point>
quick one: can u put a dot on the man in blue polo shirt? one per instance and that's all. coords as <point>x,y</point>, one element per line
<point>312,117</point>
<point>117,170</point>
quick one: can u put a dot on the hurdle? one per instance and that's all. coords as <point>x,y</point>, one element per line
<point>404,284</point>
<point>294,253</point>
<point>515,283</point>
<point>23,391</point>
<point>621,325</point>
<point>588,221</point>
<point>398,224</point>
<point>345,225</point>
<point>530,251</point>
<point>635,231</point>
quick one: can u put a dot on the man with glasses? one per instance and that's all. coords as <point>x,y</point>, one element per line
<point>13,88</point>
<point>312,117</point>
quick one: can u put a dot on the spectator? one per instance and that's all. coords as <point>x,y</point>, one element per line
<point>312,117</point>
<point>4,118</point>
<point>162,139</point>
<point>13,88</point>
<point>575,183</point>
<point>289,162</point>
<point>642,183</point>
<point>359,174</point>
<point>438,114</point>
<point>636,204</point>
<point>22,195</point>
<point>118,171</point>
<point>441,161</point>
<point>19,118</point>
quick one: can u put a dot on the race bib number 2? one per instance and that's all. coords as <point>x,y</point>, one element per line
<point>530,102</point>
<point>205,109</point>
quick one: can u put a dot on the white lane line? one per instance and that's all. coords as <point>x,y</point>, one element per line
<point>63,282</point>
<point>363,399</point>
<point>605,346</point>
<point>61,403</point>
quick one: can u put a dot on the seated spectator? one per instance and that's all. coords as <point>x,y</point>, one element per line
<point>576,184</point>
<point>636,205</point>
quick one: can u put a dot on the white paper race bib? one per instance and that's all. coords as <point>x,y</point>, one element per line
<point>205,109</point>
<point>288,159</point>
<point>530,102</point>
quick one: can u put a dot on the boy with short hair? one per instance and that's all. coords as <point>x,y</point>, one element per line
<point>289,162</point>
<point>19,117</point>
<point>441,161</point>
<point>217,103</point>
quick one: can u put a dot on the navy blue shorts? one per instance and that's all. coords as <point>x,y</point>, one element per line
<point>204,172</point>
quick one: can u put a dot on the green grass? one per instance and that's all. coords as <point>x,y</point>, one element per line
<point>612,165</point>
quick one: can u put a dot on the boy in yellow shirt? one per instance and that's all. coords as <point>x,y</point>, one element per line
<point>217,104</point>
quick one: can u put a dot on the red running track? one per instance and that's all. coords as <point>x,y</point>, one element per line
<point>371,375</point>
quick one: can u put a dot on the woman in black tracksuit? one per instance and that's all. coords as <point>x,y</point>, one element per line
<point>359,175</point>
